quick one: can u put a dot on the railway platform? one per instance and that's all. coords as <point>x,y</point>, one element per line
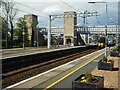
<point>62,76</point>
<point>111,78</point>
<point>17,52</point>
<point>4,53</point>
<point>26,66</point>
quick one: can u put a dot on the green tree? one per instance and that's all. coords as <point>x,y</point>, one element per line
<point>18,35</point>
<point>53,40</point>
<point>9,14</point>
<point>3,27</point>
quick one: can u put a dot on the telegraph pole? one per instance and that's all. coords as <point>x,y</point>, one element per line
<point>86,14</point>
<point>116,34</point>
<point>49,32</point>
<point>106,9</point>
<point>37,37</point>
<point>23,33</point>
<point>52,17</point>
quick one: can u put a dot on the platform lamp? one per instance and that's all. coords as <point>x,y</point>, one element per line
<point>105,24</point>
<point>116,33</point>
<point>37,27</point>
<point>23,34</point>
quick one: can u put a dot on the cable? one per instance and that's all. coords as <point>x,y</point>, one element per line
<point>29,12</point>
<point>69,6</point>
<point>45,13</point>
<point>26,11</point>
<point>98,20</point>
<point>39,11</point>
<point>38,15</point>
<point>30,7</point>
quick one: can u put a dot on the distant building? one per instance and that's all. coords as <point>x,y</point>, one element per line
<point>119,13</point>
<point>31,23</point>
<point>70,32</point>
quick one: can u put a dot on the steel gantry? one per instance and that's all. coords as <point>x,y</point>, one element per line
<point>84,15</point>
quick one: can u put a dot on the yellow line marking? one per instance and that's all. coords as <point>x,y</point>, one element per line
<point>72,72</point>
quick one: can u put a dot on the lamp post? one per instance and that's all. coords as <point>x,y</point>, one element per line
<point>23,33</point>
<point>49,32</point>
<point>116,34</point>
<point>105,25</point>
<point>37,37</point>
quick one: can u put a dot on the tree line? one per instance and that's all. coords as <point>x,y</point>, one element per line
<point>12,36</point>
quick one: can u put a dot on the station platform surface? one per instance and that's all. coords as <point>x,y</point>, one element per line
<point>5,53</point>
<point>62,76</point>
<point>111,78</point>
<point>17,52</point>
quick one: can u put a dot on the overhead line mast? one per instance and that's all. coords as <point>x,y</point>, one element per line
<point>84,15</point>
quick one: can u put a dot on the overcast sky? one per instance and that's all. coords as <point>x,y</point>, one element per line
<point>43,8</point>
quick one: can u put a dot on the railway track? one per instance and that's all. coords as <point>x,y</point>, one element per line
<point>15,76</point>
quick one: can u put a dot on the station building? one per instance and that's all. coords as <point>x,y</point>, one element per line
<point>70,32</point>
<point>31,23</point>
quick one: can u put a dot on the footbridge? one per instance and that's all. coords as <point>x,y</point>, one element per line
<point>88,34</point>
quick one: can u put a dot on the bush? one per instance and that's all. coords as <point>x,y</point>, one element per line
<point>88,75</point>
<point>83,83</point>
<point>115,49</point>
<point>104,59</point>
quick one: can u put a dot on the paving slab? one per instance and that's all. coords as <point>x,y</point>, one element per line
<point>28,50</point>
<point>119,73</point>
<point>66,67</point>
<point>110,77</point>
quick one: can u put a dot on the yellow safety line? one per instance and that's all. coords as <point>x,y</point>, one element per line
<point>72,72</point>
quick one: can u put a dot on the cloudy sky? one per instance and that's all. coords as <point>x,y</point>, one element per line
<point>43,8</point>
